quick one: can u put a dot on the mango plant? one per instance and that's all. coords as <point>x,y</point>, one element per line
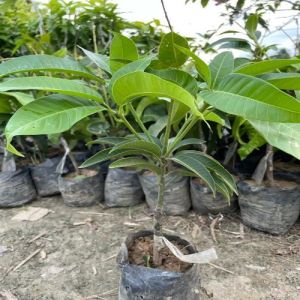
<point>133,77</point>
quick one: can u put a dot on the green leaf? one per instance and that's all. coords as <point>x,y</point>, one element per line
<point>138,65</point>
<point>284,81</point>
<point>187,142</point>
<point>201,67</point>
<point>251,25</point>
<point>221,66</point>
<point>110,140</point>
<point>102,61</point>
<point>135,162</point>
<point>144,103</point>
<point>139,84</point>
<point>169,54</point>
<point>5,107</point>
<point>37,63</point>
<point>197,167</point>
<point>22,98</point>
<point>211,116</point>
<point>156,128</point>
<point>213,165</point>
<point>183,79</point>
<point>284,136</point>
<point>265,66</point>
<point>234,43</point>
<point>204,3</point>
<point>52,84</point>
<point>143,146</point>
<point>49,115</point>
<point>121,49</point>
<point>253,98</point>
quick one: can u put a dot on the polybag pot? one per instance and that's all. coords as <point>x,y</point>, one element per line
<point>82,190</point>
<point>271,209</point>
<point>176,198</point>
<point>122,188</point>
<point>16,188</point>
<point>138,282</point>
<point>203,201</point>
<point>45,177</point>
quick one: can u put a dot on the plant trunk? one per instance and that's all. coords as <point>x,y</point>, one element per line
<point>158,215</point>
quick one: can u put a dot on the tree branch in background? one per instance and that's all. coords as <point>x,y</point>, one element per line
<point>166,14</point>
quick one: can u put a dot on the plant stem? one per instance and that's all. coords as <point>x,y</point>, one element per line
<point>140,123</point>
<point>269,171</point>
<point>166,15</point>
<point>168,128</point>
<point>128,125</point>
<point>158,214</point>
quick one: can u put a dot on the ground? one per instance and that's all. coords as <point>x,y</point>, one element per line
<point>78,247</point>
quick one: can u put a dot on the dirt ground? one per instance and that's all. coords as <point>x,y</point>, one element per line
<point>78,247</point>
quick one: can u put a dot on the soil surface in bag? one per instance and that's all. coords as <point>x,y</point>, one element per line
<point>271,209</point>
<point>45,177</point>
<point>203,201</point>
<point>177,195</point>
<point>172,280</point>
<point>83,189</point>
<point>122,188</point>
<point>16,188</point>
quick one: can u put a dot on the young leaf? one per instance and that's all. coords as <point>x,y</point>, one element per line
<point>121,49</point>
<point>253,98</point>
<point>168,54</point>
<point>48,115</point>
<point>37,63</point>
<point>221,66</point>
<point>187,142</point>
<point>135,162</point>
<point>251,25</point>
<point>51,84</point>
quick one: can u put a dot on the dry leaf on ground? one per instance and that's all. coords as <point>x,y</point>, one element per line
<point>31,214</point>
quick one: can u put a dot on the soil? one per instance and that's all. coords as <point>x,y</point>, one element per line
<point>141,252</point>
<point>77,247</point>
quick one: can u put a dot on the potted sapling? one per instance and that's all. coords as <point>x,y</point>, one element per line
<point>167,265</point>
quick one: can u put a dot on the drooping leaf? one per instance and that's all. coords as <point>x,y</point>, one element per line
<point>122,50</point>
<point>197,167</point>
<point>284,81</point>
<point>213,165</point>
<point>101,60</point>
<point>253,98</point>
<point>284,136</point>
<point>168,54</point>
<point>221,66</point>
<point>37,63</point>
<point>137,163</point>
<point>49,115</point>
<point>139,84</point>
<point>256,68</point>
<point>201,66</point>
<point>52,84</point>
